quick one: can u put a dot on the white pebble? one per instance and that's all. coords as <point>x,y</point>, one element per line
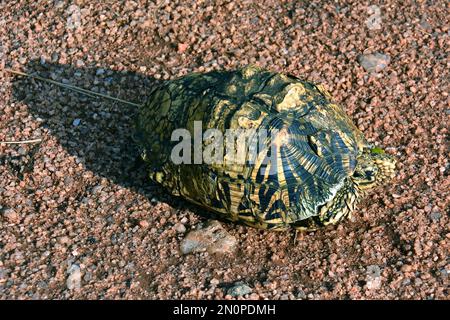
<point>74,279</point>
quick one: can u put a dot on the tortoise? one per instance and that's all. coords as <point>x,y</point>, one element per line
<point>310,174</point>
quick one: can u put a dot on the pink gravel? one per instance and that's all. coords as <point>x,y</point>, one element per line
<point>80,220</point>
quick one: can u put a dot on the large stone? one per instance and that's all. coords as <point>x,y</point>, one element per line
<point>211,237</point>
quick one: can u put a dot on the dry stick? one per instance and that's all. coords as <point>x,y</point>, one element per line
<point>67,86</point>
<point>22,141</point>
<point>73,88</point>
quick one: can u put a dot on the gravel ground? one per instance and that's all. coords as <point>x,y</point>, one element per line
<point>80,220</point>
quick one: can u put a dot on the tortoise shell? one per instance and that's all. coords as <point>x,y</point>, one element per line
<point>305,180</point>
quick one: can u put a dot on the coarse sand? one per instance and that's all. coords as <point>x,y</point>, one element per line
<point>79,218</point>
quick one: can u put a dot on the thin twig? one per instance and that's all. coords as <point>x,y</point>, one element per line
<point>70,87</point>
<point>22,141</point>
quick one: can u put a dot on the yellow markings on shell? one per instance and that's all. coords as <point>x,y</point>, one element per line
<point>259,160</point>
<point>220,111</point>
<point>255,198</point>
<point>246,218</point>
<point>249,71</point>
<point>241,118</point>
<point>236,194</point>
<point>267,99</point>
<point>324,91</point>
<point>275,197</point>
<point>294,173</point>
<point>231,89</point>
<point>292,97</point>
<point>274,221</point>
<point>285,198</point>
<point>279,78</point>
<point>281,139</point>
<point>318,144</point>
<point>245,123</point>
<point>235,158</point>
<point>308,165</point>
<point>220,107</point>
<point>336,109</point>
<point>232,169</point>
<point>252,85</point>
<point>347,140</point>
<point>159,177</point>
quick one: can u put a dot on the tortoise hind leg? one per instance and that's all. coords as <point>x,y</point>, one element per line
<point>303,226</point>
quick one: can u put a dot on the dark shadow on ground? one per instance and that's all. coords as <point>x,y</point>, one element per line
<point>98,131</point>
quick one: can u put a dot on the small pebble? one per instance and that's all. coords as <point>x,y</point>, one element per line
<point>373,278</point>
<point>74,17</point>
<point>144,224</point>
<point>74,279</point>
<point>435,216</point>
<point>22,151</point>
<point>406,268</point>
<point>154,200</point>
<point>11,216</point>
<point>301,295</point>
<point>182,47</point>
<point>64,240</point>
<point>184,220</point>
<point>3,274</point>
<point>239,289</point>
<point>180,228</point>
<point>374,62</point>
<point>55,57</point>
<point>79,63</point>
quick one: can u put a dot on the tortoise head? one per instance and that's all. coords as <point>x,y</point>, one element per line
<point>373,168</point>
